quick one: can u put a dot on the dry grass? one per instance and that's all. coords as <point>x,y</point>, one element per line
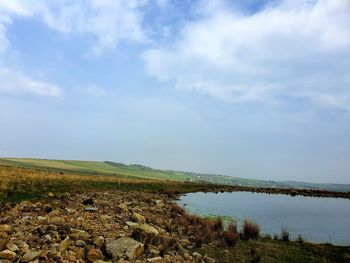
<point>231,235</point>
<point>24,183</point>
<point>250,230</point>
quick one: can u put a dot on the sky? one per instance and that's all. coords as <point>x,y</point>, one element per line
<point>248,88</point>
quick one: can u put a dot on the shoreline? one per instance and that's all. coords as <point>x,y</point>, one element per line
<point>53,217</point>
<point>163,229</point>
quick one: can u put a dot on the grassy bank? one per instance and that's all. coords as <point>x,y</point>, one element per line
<point>207,236</point>
<point>18,184</point>
<point>275,251</point>
<point>70,174</point>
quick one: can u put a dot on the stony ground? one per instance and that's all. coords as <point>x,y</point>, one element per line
<point>106,226</point>
<point>133,226</point>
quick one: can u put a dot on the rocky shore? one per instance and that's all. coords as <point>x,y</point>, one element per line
<point>102,226</point>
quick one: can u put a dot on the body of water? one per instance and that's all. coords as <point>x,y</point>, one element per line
<point>318,220</point>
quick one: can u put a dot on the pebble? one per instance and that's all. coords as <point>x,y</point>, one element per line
<point>8,255</point>
<point>30,256</point>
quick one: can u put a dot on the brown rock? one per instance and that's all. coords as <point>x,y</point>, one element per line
<point>3,240</point>
<point>138,218</point>
<point>30,256</point>
<point>79,234</point>
<point>56,220</point>
<point>11,246</point>
<point>99,241</point>
<point>94,255</point>
<point>64,245</point>
<point>124,247</point>
<point>8,255</point>
<point>5,228</point>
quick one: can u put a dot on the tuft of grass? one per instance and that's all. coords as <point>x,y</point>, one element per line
<point>217,224</point>
<point>230,235</point>
<point>285,236</point>
<point>250,230</point>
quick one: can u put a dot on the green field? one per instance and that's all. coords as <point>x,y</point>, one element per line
<point>94,167</point>
<point>144,172</point>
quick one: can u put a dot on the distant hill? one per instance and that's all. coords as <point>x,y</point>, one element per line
<point>140,171</point>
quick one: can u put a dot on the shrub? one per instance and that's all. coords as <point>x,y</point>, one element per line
<point>250,230</point>
<point>230,235</point>
<point>285,234</point>
<point>217,224</point>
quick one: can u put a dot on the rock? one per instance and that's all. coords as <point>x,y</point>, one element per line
<point>88,201</point>
<point>144,227</point>
<point>79,234</point>
<point>30,256</point>
<point>208,259</point>
<point>50,194</point>
<point>48,237</point>
<point>123,206</point>
<point>149,229</point>
<point>11,246</point>
<point>94,255</point>
<point>72,256</point>
<point>64,245</point>
<point>124,247</point>
<point>138,218</point>
<point>56,220</point>
<point>132,224</point>
<point>197,256</point>
<point>70,210</point>
<point>80,243</point>
<point>159,203</point>
<point>42,218</point>
<point>5,228</point>
<point>3,240</point>
<point>8,255</point>
<point>99,241</point>
<point>55,213</point>
<point>91,209</point>
<point>105,217</point>
<point>26,218</point>
<point>155,259</point>
<point>154,251</point>
<point>25,248</point>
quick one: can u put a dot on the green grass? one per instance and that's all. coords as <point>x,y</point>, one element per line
<point>94,167</point>
<point>272,251</point>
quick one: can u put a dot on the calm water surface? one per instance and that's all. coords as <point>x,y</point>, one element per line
<point>318,220</point>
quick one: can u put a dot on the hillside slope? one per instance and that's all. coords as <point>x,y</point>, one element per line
<point>144,172</point>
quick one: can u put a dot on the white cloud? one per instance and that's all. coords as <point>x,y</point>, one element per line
<point>13,81</point>
<point>16,83</point>
<point>106,22</point>
<point>296,48</point>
